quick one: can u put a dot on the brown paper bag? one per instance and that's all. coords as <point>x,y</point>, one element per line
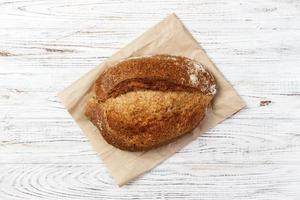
<point>168,37</point>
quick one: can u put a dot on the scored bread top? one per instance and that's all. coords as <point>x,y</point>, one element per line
<point>159,72</point>
<point>146,102</point>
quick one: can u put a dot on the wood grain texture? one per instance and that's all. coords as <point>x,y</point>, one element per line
<point>45,45</point>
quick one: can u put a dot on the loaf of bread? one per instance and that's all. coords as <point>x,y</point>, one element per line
<point>144,102</point>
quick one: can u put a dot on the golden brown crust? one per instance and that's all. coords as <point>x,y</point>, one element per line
<point>159,72</point>
<point>136,112</point>
<point>142,127</point>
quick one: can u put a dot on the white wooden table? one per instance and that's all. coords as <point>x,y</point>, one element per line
<point>45,45</point>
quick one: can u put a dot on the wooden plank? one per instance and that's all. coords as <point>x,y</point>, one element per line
<point>46,45</point>
<point>92,182</point>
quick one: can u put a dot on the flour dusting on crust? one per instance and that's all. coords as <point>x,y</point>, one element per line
<point>197,72</point>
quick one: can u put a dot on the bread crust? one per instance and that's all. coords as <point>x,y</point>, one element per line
<point>159,72</point>
<point>143,103</point>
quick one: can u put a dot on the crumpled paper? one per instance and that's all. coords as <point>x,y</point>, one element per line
<point>167,37</point>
